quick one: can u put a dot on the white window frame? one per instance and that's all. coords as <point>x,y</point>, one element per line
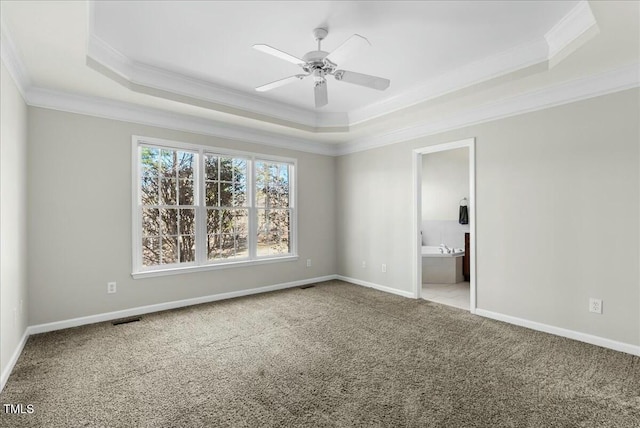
<point>202,263</point>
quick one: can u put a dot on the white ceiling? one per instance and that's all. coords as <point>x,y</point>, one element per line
<point>194,58</point>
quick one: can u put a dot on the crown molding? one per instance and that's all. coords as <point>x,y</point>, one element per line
<point>620,79</point>
<point>11,60</point>
<point>573,25</point>
<point>509,61</point>
<point>127,112</point>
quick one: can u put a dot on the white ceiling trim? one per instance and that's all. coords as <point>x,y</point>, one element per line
<point>12,61</point>
<point>514,59</point>
<point>568,29</point>
<point>588,87</point>
<point>577,22</point>
<point>127,112</point>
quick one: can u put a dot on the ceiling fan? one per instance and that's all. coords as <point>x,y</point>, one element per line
<point>319,64</point>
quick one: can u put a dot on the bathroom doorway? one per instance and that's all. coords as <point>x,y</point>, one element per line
<point>444,226</point>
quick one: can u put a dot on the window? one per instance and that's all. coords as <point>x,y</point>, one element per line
<point>197,207</point>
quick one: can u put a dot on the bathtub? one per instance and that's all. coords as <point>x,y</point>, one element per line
<point>438,268</point>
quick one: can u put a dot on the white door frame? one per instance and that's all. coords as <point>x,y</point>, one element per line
<point>417,212</point>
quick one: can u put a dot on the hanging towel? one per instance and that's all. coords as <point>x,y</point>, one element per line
<point>463,218</point>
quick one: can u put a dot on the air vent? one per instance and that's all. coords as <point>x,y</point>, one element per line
<point>126,321</point>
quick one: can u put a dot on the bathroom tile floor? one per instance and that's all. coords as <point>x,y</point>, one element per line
<point>448,294</point>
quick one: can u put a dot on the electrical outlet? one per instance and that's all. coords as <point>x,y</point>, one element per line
<point>595,305</point>
<point>384,267</point>
<point>364,264</point>
<point>111,287</point>
<point>308,262</point>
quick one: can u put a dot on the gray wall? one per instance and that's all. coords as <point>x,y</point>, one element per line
<point>80,220</point>
<point>13,215</point>
<point>557,205</point>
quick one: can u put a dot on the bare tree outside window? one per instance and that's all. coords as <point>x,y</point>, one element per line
<point>168,206</point>
<point>227,207</point>
<point>198,207</point>
<point>273,212</point>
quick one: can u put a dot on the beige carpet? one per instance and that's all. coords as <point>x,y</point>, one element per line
<point>335,355</point>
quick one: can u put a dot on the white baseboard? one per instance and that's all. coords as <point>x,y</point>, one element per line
<point>376,286</point>
<point>558,331</point>
<point>14,358</point>
<point>141,310</point>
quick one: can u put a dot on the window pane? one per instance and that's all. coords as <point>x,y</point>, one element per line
<point>169,221</point>
<point>211,168</point>
<point>262,180</point>
<point>226,194</point>
<point>263,245</point>
<point>226,220</point>
<point>187,221</point>
<point>241,223</point>
<point>149,158</point>
<point>242,246</point>
<point>279,219</point>
<point>211,191</point>
<point>185,190</point>
<point>185,165</point>
<point>150,251</point>
<point>228,246</point>
<point>226,169</point>
<point>273,232</point>
<point>169,249</point>
<point>148,190</point>
<point>168,163</point>
<point>150,221</point>
<point>213,222</point>
<point>280,246</point>
<point>213,247</point>
<point>168,191</point>
<point>187,248</point>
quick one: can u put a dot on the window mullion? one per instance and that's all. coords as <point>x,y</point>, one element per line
<point>201,210</point>
<point>253,213</point>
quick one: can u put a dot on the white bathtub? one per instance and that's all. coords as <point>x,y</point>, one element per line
<point>439,268</point>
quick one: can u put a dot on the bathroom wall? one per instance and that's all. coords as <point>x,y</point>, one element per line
<point>445,181</point>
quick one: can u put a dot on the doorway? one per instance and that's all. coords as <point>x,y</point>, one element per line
<point>441,263</point>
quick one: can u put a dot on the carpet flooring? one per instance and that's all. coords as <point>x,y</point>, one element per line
<point>334,355</point>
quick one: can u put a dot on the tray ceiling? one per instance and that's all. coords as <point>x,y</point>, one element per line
<point>201,52</point>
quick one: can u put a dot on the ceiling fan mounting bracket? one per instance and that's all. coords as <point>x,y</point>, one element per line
<point>320,33</point>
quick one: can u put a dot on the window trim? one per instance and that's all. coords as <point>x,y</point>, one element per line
<point>138,271</point>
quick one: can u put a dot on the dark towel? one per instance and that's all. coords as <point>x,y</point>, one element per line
<point>463,218</point>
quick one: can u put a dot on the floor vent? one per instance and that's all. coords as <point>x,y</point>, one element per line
<point>126,321</point>
<point>304,287</point>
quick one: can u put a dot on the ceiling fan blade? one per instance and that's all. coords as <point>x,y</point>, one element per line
<point>320,92</point>
<point>342,52</point>
<point>281,82</point>
<point>373,82</point>
<point>279,54</point>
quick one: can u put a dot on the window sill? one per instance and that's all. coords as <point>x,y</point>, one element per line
<point>217,266</point>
